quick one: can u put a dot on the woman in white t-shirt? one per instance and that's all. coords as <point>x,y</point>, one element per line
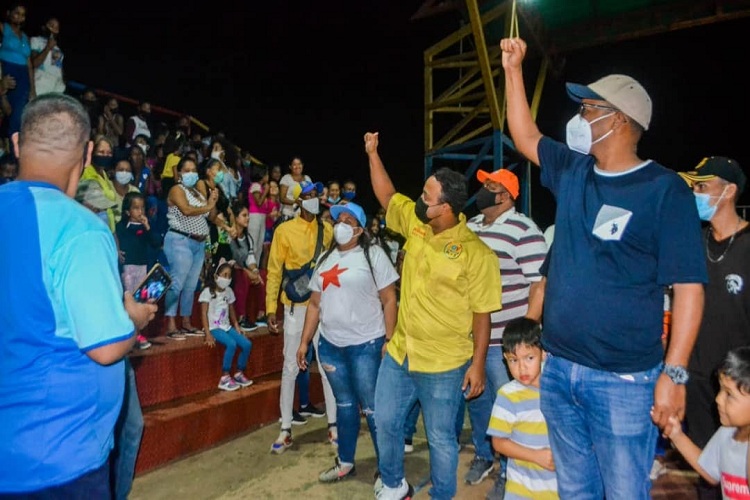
<point>353,308</point>
<point>286,185</point>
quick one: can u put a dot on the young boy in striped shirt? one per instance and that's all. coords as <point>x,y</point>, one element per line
<point>517,427</point>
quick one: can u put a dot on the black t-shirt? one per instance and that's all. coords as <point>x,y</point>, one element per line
<point>726,314</point>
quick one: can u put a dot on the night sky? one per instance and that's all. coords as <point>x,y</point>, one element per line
<point>284,78</point>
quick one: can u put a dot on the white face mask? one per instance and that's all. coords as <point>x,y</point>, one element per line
<point>123,177</point>
<point>144,148</point>
<point>343,233</point>
<point>223,282</point>
<point>216,155</point>
<point>578,133</point>
<point>312,205</point>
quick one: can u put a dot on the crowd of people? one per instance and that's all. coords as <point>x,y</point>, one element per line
<point>553,346</point>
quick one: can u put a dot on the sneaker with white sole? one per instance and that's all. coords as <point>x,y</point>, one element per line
<point>404,491</point>
<point>333,435</point>
<point>297,419</point>
<point>142,342</point>
<point>498,490</point>
<point>311,411</point>
<point>248,326</point>
<point>337,473</point>
<point>408,446</point>
<point>242,380</point>
<point>478,470</point>
<point>227,383</point>
<point>282,442</point>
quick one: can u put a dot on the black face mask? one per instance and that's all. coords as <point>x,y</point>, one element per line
<point>486,199</point>
<point>101,161</point>
<point>420,210</point>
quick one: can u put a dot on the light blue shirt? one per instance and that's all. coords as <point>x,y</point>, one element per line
<point>61,297</point>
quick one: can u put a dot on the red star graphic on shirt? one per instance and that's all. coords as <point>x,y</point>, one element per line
<point>331,277</point>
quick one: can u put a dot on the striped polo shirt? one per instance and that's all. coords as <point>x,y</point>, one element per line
<point>516,416</point>
<point>520,246</point>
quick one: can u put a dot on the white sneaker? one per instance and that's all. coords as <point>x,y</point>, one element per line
<point>408,446</point>
<point>283,442</point>
<point>403,492</point>
<point>657,469</point>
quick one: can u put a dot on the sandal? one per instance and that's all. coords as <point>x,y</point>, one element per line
<point>192,332</point>
<point>176,335</point>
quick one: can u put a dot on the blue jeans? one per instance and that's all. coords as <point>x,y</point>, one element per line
<point>480,408</point>
<point>352,372</point>
<point>185,257</point>
<point>231,340</point>
<point>410,427</point>
<point>439,395</point>
<point>128,433</point>
<point>600,430</point>
<point>93,484</point>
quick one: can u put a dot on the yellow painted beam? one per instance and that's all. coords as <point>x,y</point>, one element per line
<point>472,134</point>
<point>457,35</point>
<point>477,27</point>
<point>464,80</point>
<point>540,79</point>
<point>464,99</point>
<point>453,132</point>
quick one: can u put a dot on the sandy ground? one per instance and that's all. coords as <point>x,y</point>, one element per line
<point>245,469</point>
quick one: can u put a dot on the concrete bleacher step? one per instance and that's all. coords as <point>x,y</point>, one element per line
<point>183,410</point>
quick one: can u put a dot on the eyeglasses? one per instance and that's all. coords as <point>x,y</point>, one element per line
<point>585,106</point>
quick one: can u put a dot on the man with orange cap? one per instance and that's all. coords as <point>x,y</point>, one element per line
<point>520,247</point>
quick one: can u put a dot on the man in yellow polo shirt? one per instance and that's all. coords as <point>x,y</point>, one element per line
<point>294,244</point>
<point>449,285</point>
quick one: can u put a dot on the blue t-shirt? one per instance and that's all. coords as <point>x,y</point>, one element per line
<point>619,240</point>
<point>61,297</point>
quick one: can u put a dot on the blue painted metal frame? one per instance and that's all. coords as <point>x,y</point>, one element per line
<point>490,150</point>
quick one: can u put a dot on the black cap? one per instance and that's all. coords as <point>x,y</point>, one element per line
<point>717,166</point>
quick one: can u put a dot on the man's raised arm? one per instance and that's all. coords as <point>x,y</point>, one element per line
<point>381,183</point>
<point>523,130</point>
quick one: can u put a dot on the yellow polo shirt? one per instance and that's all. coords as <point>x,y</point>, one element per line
<point>293,246</point>
<point>170,162</point>
<point>445,279</point>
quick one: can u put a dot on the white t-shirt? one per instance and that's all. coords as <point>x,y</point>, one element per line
<point>350,309</point>
<point>725,460</point>
<point>218,307</point>
<point>48,76</point>
<point>287,180</point>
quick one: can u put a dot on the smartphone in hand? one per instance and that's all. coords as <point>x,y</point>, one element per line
<point>154,286</point>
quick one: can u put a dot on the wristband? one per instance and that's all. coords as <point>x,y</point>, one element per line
<point>678,374</point>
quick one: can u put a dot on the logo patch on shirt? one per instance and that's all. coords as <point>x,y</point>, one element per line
<point>418,231</point>
<point>734,283</point>
<point>611,223</point>
<point>453,250</point>
<point>734,487</point>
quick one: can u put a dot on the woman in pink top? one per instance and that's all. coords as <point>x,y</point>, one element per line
<point>272,208</point>
<point>256,199</point>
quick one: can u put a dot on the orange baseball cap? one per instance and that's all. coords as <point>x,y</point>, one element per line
<point>503,176</point>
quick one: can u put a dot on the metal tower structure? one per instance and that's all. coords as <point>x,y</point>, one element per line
<point>464,108</point>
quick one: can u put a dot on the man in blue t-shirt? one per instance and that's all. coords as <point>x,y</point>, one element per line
<point>625,228</point>
<point>64,324</point>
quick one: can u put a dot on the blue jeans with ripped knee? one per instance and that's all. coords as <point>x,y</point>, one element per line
<point>352,372</point>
